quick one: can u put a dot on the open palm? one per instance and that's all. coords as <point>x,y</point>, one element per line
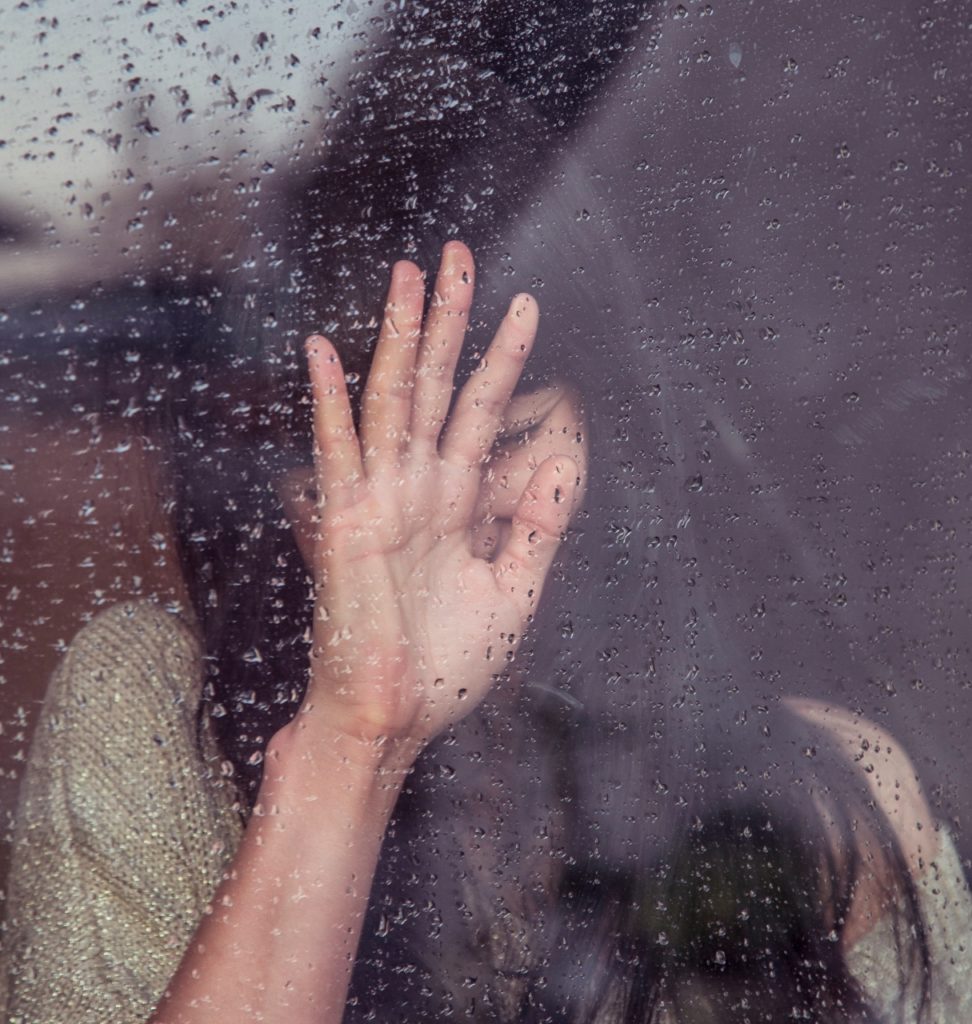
<point>410,625</point>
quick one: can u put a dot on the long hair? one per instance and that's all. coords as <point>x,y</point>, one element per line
<point>388,186</point>
<point>637,829</point>
<point>734,906</point>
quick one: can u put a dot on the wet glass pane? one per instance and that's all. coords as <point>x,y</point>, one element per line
<point>485,517</point>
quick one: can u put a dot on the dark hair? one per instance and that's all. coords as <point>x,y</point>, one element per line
<point>542,895</point>
<point>386,187</point>
<point>736,907</point>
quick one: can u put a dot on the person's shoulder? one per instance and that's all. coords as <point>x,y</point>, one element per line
<point>129,656</point>
<point>139,626</point>
<point>946,918</point>
<point>887,771</point>
<point>120,723</point>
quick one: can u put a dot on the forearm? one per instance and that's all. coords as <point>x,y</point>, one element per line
<point>280,942</point>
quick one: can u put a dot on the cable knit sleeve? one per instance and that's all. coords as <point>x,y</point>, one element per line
<point>123,827</point>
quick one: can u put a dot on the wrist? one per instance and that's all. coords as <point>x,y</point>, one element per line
<point>310,782</point>
<point>311,756</point>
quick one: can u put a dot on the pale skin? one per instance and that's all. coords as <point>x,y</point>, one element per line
<point>893,787</point>
<point>429,537</point>
<point>428,567</point>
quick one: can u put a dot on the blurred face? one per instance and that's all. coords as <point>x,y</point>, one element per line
<point>537,424</point>
<point>541,423</point>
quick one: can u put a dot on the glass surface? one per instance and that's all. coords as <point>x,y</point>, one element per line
<point>747,229</point>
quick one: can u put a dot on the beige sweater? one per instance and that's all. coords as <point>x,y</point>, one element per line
<point>124,829</point>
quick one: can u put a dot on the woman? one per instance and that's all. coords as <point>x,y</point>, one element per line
<point>411,623</point>
<point>649,811</point>
<point>763,899</point>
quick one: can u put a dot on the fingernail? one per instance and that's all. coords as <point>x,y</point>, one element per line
<point>455,256</point>
<point>315,343</point>
<point>522,304</point>
<point>403,270</point>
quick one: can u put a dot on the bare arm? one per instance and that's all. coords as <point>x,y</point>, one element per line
<point>281,938</point>
<point>410,628</point>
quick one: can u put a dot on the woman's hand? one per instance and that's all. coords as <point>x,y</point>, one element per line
<point>415,614</point>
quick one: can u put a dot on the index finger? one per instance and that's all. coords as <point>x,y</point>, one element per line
<point>337,453</point>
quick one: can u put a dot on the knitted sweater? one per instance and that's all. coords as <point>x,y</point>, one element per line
<point>125,827</point>
<point>123,830</point>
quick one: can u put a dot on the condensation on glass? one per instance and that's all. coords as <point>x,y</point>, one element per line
<point>747,231</point>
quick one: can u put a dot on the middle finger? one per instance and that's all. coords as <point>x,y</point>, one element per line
<point>441,343</point>
<point>387,403</point>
